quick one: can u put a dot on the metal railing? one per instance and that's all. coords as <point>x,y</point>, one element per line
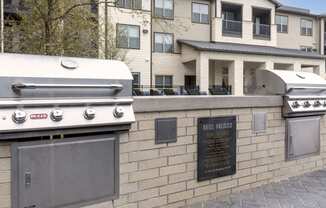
<point>179,90</point>
<point>232,27</point>
<point>220,90</point>
<point>262,30</point>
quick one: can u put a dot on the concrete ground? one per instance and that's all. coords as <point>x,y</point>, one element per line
<point>307,191</point>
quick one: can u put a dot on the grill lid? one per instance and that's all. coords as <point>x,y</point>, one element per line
<point>35,76</point>
<point>18,65</point>
<point>283,82</point>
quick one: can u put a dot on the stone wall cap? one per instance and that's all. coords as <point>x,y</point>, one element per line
<point>177,103</point>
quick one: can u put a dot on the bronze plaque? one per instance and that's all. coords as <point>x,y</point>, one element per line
<point>216,147</point>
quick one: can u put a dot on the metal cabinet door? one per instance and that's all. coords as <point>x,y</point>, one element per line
<point>303,136</point>
<point>65,173</point>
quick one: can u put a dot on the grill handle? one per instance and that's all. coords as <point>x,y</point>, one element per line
<point>306,88</point>
<point>17,87</point>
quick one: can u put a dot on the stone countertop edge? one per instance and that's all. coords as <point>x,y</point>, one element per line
<point>177,103</point>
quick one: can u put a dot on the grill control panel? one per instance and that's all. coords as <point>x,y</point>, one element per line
<point>305,105</point>
<point>65,116</point>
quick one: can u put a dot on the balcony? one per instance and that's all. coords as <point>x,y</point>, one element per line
<point>262,31</point>
<point>231,19</point>
<point>232,27</point>
<point>261,19</point>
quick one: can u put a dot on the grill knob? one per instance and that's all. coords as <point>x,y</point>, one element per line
<point>118,112</point>
<point>57,115</point>
<point>89,113</point>
<point>317,103</point>
<point>295,104</point>
<point>306,104</point>
<point>19,116</point>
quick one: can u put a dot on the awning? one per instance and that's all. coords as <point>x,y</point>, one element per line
<point>249,49</point>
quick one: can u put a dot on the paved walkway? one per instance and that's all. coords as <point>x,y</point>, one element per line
<point>307,191</point>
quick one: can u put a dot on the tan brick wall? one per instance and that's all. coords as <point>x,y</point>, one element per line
<point>165,175</point>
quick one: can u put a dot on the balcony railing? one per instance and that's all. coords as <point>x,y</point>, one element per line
<point>179,90</point>
<point>232,27</point>
<point>262,31</point>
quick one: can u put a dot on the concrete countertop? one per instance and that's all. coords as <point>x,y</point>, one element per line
<point>175,103</point>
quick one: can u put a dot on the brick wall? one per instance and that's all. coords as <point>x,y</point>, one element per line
<point>164,175</point>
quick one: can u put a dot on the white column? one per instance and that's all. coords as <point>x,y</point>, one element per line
<point>202,72</point>
<point>322,36</point>
<point>218,7</point>
<point>269,65</point>
<point>297,67</point>
<point>236,77</point>
<point>320,70</point>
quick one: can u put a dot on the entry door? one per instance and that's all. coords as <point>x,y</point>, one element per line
<point>303,137</point>
<point>190,81</point>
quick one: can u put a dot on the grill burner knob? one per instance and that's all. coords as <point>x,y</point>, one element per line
<point>317,103</point>
<point>89,113</point>
<point>295,104</point>
<point>19,116</point>
<point>118,112</point>
<point>306,104</point>
<point>57,115</point>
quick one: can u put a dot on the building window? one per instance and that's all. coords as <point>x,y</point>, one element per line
<point>306,27</point>
<point>130,4</point>
<point>7,2</point>
<point>164,9</point>
<point>136,81</point>
<point>200,13</point>
<point>163,42</point>
<point>94,7</point>
<point>282,23</point>
<point>308,49</point>
<point>163,81</point>
<point>128,36</point>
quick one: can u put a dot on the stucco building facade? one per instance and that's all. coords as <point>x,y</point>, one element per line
<point>215,44</point>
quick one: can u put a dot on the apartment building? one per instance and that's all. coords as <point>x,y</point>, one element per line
<point>215,44</point>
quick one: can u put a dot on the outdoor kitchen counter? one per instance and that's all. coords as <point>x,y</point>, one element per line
<point>175,103</point>
<point>165,174</point>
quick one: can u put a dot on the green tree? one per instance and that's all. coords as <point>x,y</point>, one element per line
<point>59,27</point>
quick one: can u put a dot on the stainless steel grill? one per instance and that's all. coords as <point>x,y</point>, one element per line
<point>304,93</point>
<point>47,93</point>
<point>64,117</point>
<point>304,103</point>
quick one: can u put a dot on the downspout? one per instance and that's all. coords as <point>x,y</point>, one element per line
<point>151,47</point>
<point>2,26</point>
<point>106,29</point>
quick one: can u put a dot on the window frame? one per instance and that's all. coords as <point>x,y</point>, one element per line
<point>287,26</point>
<point>117,36</point>
<point>163,17</point>
<point>192,11</point>
<point>132,5</point>
<point>164,85</point>
<point>137,74</point>
<point>163,33</point>
<point>312,27</point>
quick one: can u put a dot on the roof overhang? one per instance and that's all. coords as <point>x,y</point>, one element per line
<point>249,49</point>
<point>277,3</point>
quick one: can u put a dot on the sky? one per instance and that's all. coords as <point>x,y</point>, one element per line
<point>315,6</point>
